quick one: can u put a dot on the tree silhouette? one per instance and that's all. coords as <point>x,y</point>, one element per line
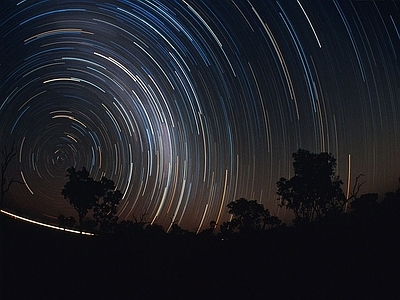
<point>390,210</point>
<point>366,202</point>
<point>364,210</point>
<point>105,212</point>
<point>209,231</point>
<point>249,216</point>
<point>177,230</point>
<point>7,155</point>
<point>354,193</point>
<point>314,191</point>
<point>155,230</point>
<point>84,194</point>
<point>65,222</point>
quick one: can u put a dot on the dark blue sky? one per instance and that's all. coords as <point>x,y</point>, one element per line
<point>188,105</point>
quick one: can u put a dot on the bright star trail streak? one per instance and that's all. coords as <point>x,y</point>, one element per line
<point>43,224</point>
<point>188,105</point>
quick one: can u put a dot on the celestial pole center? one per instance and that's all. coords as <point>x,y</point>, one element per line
<point>188,105</point>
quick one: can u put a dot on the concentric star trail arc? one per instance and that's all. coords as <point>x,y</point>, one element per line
<point>187,105</point>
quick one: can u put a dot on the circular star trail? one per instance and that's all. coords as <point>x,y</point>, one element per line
<point>188,105</point>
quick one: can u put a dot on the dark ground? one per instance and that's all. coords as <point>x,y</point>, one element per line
<point>289,263</point>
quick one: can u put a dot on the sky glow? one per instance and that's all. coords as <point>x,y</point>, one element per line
<point>188,105</point>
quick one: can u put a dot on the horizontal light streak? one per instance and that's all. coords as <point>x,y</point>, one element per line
<point>43,224</point>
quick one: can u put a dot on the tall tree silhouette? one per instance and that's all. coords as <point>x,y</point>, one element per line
<point>84,194</point>
<point>314,191</point>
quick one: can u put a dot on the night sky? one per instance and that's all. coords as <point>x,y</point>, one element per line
<point>188,105</point>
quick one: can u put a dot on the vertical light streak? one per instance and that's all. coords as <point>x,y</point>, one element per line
<point>202,219</point>
<point>223,197</point>
<point>348,183</point>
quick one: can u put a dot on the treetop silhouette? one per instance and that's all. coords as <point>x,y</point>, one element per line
<point>249,216</point>
<point>84,194</point>
<point>314,191</point>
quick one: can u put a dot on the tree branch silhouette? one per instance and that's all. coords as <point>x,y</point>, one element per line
<point>7,155</point>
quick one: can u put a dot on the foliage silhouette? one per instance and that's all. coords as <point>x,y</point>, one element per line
<point>105,212</point>
<point>347,262</point>
<point>389,210</point>
<point>249,217</point>
<point>84,194</point>
<point>366,202</point>
<point>65,222</point>
<point>155,230</point>
<point>314,191</point>
<point>177,230</point>
<point>209,231</point>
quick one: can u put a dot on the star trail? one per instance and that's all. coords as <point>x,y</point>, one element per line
<point>188,105</point>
